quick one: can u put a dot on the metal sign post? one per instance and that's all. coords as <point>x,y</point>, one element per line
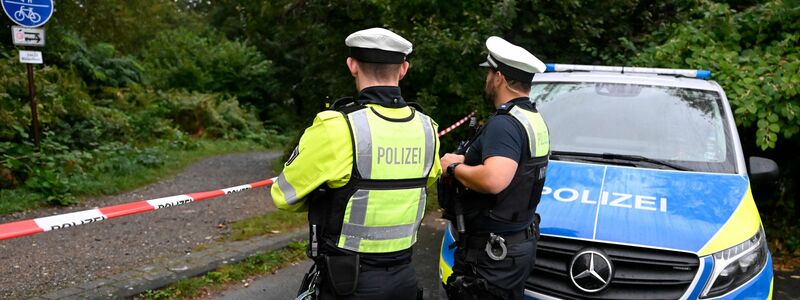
<point>34,113</point>
<point>29,14</point>
<point>30,58</point>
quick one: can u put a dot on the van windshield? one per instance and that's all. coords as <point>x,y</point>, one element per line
<point>679,126</point>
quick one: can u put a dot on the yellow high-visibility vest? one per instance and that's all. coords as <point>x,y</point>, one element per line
<point>535,128</point>
<point>393,160</point>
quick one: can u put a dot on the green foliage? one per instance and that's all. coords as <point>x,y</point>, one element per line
<point>100,64</point>
<point>181,59</point>
<point>754,56</point>
<point>129,25</point>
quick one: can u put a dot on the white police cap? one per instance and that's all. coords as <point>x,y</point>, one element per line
<point>378,45</point>
<point>513,61</point>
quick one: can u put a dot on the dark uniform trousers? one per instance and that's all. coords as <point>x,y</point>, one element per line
<point>504,279</point>
<point>395,283</point>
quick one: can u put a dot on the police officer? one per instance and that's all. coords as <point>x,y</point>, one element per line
<point>503,171</point>
<point>362,171</point>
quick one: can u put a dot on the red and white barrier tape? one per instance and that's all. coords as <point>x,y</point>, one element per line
<point>33,226</point>
<point>448,129</point>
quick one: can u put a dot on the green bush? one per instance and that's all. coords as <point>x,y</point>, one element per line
<point>210,115</point>
<point>99,64</point>
<point>181,59</point>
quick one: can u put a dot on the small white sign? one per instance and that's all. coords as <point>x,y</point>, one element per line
<point>30,57</point>
<point>27,36</point>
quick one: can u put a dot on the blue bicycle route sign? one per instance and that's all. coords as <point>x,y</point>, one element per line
<point>28,13</point>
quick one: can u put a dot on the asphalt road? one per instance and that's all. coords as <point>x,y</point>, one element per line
<point>787,285</point>
<point>281,285</point>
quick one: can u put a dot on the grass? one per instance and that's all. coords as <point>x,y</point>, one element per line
<point>132,176</point>
<point>260,264</point>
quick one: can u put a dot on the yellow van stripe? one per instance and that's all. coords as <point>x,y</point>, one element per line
<point>446,270</point>
<point>742,225</point>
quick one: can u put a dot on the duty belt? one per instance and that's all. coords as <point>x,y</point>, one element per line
<point>385,266</point>
<point>367,267</point>
<point>496,245</point>
<point>478,241</point>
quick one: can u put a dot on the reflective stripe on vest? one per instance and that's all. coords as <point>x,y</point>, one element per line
<point>387,220</point>
<point>288,190</point>
<point>538,136</point>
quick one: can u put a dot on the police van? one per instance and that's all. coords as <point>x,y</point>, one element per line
<point>647,195</point>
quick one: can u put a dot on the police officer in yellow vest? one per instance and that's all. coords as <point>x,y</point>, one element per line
<point>362,171</point>
<point>503,171</point>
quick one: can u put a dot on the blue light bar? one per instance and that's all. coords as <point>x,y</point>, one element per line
<point>704,74</point>
<point>701,74</point>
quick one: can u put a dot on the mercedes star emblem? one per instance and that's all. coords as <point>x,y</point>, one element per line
<point>591,270</point>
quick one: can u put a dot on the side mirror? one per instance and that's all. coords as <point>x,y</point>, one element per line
<point>762,170</point>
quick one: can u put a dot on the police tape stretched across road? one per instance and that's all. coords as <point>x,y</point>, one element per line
<point>33,226</point>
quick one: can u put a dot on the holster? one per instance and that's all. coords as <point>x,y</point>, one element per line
<point>468,287</point>
<point>308,288</point>
<point>342,273</point>
<point>446,196</point>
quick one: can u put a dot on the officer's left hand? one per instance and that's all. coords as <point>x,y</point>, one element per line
<point>451,158</point>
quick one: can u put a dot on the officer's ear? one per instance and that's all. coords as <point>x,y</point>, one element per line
<point>353,66</point>
<point>494,78</point>
<point>501,78</point>
<point>404,68</point>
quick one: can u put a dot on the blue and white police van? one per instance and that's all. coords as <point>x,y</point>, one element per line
<point>647,195</point>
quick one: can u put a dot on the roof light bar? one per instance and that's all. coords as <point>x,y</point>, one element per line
<point>701,74</point>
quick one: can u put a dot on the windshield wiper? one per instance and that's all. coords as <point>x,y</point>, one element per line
<point>625,157</point>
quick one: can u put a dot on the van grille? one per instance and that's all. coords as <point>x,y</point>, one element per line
<point>640,273</point>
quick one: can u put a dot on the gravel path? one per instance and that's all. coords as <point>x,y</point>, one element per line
<point>36,264</point>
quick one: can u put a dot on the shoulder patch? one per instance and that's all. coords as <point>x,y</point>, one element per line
<point>293,156</point>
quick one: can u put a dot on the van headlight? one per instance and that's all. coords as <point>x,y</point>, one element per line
<point>736,265</point>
